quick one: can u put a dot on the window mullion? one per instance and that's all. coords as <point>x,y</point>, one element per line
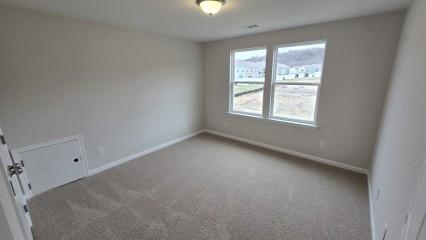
<point>268,82</point>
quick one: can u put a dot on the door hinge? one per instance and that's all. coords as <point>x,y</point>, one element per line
<point>25,208</point>
<point>2,140</point>
<point>29,186</point>
<point>22,163</point>
<point>15,168</point>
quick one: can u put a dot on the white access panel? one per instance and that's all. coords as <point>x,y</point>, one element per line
<point>53,165</point>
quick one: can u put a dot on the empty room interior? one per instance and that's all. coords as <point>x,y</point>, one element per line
<point>212,119</point>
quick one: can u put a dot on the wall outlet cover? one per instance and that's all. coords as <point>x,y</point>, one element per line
<point>100,151</point>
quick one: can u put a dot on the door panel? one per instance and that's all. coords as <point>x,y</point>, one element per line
<point>54,165</point>
<point>16,188</point>
<point>414,228</point>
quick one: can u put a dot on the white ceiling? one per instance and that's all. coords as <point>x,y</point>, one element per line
<point>184,19</point>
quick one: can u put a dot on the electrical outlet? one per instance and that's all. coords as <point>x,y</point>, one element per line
<point>100,151</point>
<point>322,144</point>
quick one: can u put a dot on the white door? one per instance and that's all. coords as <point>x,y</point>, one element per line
<point>52,165</point>
<point>415,225</point>
<point>13,171</point>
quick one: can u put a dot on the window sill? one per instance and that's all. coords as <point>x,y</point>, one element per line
<point>274,120</point>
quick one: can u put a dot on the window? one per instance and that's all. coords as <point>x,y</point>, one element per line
<point>295,87</point>
<point>295,82</point>
<point>248,81</point>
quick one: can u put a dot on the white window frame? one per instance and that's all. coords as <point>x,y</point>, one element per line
<point>232,82</point>
<point>269,86</point>
<point>273,83</point>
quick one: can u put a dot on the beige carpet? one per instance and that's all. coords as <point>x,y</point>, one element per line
<point>208,188</point>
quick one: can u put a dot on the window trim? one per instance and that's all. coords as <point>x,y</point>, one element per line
<point>269,86</point>
<point>272,120</point>
<point>232,81</point>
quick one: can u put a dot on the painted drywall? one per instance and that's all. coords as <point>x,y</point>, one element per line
<point>401,142</point>
<point>4,226</point>
<point>358,63</point>
<point>124,90</point>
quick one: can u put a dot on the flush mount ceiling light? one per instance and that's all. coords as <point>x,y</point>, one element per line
<point>210,6</point>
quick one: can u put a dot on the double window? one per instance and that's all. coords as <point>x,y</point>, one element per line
<point>283,85</point>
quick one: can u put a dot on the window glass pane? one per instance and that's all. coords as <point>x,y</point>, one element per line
<point>249,78</point>
<point>300,63</point>
<point>250,65</point>
<point>295,102</point>
<point>248,97</point>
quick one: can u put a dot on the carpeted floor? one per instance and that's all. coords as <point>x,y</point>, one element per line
<point>208,188</point>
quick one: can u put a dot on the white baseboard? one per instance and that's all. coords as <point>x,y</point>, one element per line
<point>291,152</point>
<point>275,148</point>
<point>140,154</point>
<point>370,201</point>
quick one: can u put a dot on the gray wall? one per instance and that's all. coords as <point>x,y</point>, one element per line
<point>358,63</point>
<point>121,89</point>
<point>5,233</point>
<point>401,148</point>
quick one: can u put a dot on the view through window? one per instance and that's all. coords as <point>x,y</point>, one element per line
<point>294,88</point>
<point>298,77</point>
<point>248,81</point>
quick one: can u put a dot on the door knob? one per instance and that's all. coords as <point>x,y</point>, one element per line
<point>15,168</point>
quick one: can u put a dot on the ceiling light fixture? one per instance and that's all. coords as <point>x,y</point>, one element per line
<point>210,6</point>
